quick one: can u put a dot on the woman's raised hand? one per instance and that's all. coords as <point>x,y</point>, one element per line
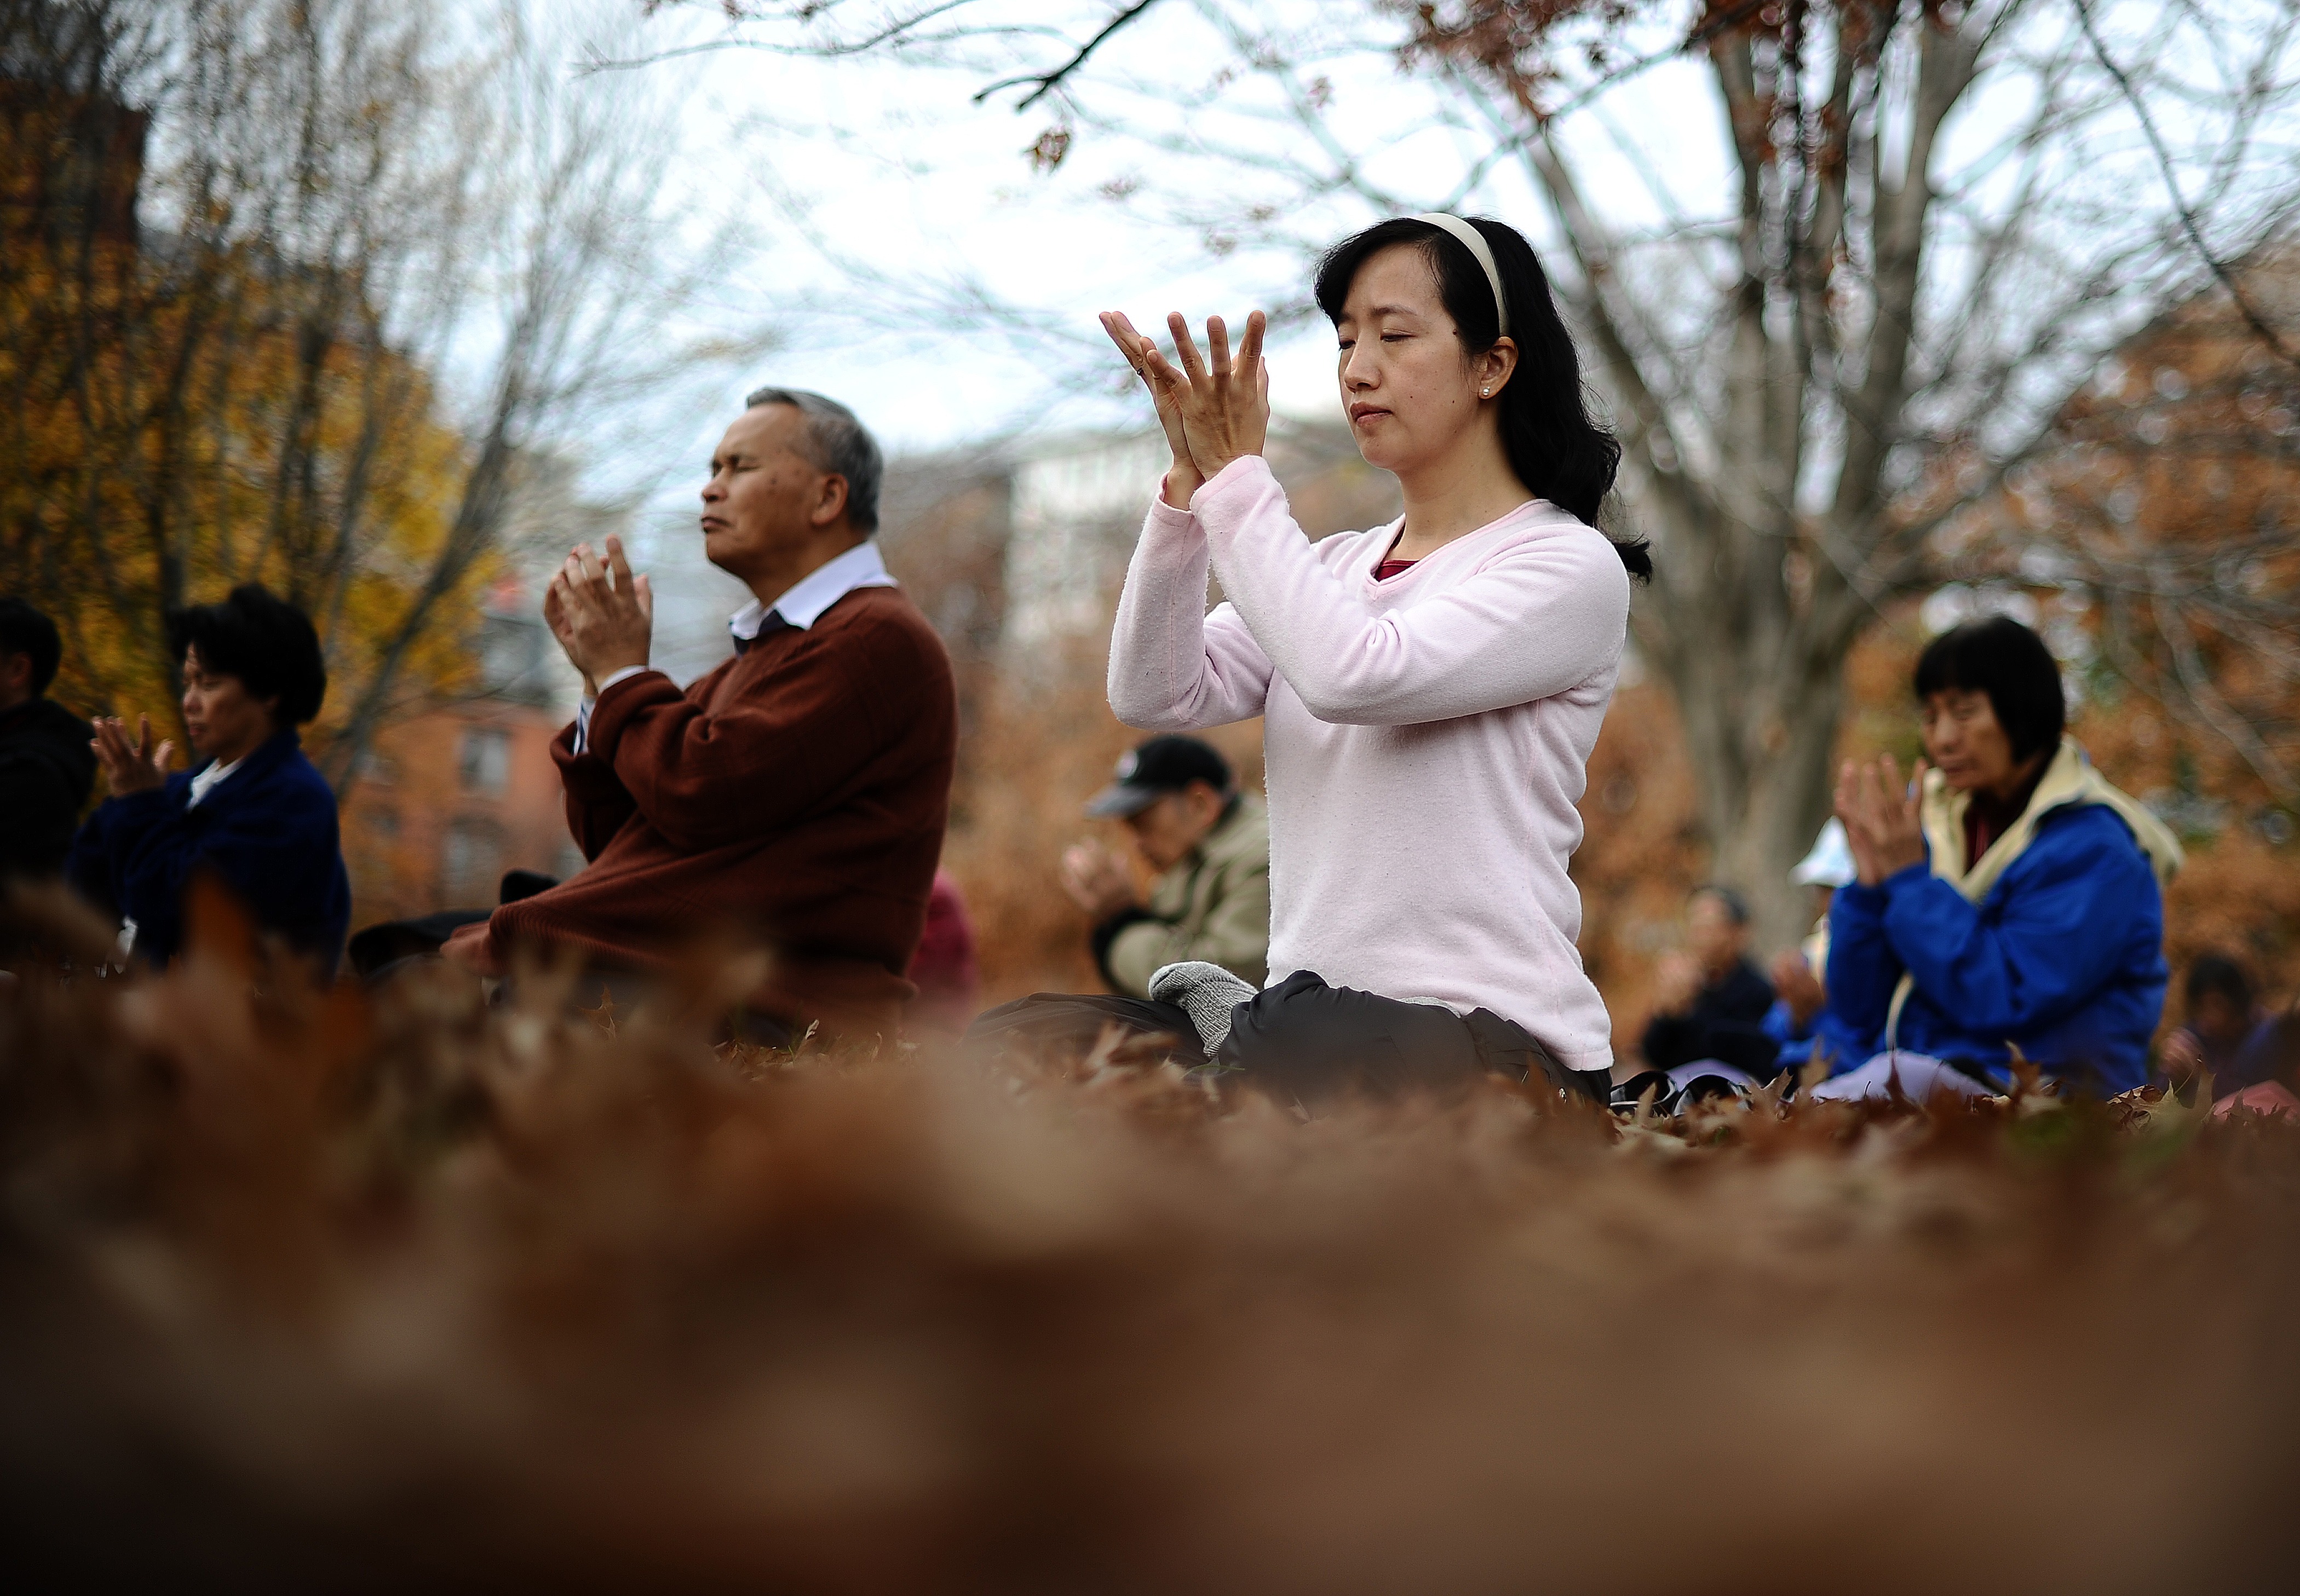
<point>1883,817</point>
<point>1215,410</point>
<point>130,765</point>
<point>1182,477</point>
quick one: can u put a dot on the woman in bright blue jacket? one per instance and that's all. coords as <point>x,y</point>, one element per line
<point>254,814</point>
<point>2013,902</point>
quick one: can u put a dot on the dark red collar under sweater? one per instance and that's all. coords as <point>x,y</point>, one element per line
<point>795,797</point>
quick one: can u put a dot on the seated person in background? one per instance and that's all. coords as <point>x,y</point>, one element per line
<point>254,812</point>
<point>794,797</point>
<point>1711,1001</point>
<point>47,766</point>
<point>1800,1019</point>
<point>2013,900</point>
<point>1210,844</point>
<point>2228,1035</point>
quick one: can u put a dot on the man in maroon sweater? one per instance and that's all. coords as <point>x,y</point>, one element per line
<point>795,796</point>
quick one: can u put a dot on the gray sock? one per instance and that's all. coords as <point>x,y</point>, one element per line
<point>1206,992</point>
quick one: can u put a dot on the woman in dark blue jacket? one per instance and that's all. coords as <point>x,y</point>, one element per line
<point>2013,903</point>
<point>255,813</point>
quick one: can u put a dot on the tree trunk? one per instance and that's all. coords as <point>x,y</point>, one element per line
<point>1761,733</point>
<point>1755,666</point>
<point>1754,658</point>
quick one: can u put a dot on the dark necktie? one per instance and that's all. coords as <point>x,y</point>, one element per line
<point>773,623</point>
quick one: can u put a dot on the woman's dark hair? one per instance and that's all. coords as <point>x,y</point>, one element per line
<point>2006,659</point>
<point>1555,448</point>
<point>266,642</point>
<point>2217,972</point>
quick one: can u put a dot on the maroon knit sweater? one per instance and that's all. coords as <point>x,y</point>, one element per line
<point>795,796</point>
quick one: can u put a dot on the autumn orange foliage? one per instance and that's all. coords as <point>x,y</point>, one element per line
<point>185,413</point>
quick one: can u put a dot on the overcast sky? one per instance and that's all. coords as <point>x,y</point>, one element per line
<point>894,166</point>
<point>883,203</point>
<point>836,165</point>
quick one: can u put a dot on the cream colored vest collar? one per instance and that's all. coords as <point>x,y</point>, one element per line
<point>2069,779</point>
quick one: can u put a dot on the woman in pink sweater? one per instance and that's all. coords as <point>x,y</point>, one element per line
<point>1432,689</point>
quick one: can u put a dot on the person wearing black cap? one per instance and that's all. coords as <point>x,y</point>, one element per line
<point>1210,844</point>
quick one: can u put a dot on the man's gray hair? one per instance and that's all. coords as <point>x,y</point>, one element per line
<point>840,445</point>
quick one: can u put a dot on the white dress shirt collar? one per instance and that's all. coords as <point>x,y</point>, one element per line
<point>802,606</point>
<point>808,597</point>
<point>205,780</point>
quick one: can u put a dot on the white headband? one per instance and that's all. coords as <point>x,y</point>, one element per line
<point>1475,242</point>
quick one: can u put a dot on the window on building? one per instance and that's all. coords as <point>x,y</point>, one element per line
<point>487,760</point>
<point>470,864</point>
<point>371,766</point>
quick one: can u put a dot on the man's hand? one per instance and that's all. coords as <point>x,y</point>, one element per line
<point>554,616</point>
<point>1223,405</point>
<point>603,616</point>
<point>1796,985</point>
<point>1883,821</point>
<point>1098,880</point>
<point>128,767</point>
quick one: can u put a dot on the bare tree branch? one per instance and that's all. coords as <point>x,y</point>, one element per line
<point>1817,372</point>
<point>2189,226</point>
<point>1046,83</point>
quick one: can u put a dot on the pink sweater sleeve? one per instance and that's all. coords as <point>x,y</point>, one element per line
<point>1544,617</point>
<point>1172,666</point>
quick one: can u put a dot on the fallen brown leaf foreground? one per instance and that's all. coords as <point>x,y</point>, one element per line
<point>303,1293</point>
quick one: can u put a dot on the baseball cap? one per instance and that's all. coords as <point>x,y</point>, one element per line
<point>1148,772</point>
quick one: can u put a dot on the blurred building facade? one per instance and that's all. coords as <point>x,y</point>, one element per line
<point>71,155</point>
<point>449,798</point>
<point>1017,552</point>
<point>1014,549</point>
